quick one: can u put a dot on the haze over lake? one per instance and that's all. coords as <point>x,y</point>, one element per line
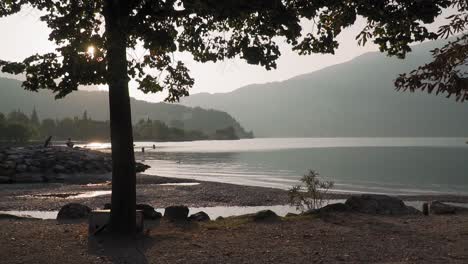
<point>378,165</point>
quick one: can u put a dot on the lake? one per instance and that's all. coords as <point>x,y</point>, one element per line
<point>378,165</point>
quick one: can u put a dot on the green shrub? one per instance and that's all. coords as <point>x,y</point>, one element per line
<point>311,193</point>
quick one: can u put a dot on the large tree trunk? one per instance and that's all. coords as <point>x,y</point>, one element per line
<point>122,218</point>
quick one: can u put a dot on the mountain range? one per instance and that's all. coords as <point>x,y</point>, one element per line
<point>14,97</point>
<point>353,99</point>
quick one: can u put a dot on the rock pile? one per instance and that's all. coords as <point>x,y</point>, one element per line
<point>39,164</point>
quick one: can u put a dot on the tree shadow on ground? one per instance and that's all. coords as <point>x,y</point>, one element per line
<point>117,249</point>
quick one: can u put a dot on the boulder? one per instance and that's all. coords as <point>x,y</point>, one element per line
<point>21,168</point>
<point>59,169</point>
<point>34,169</point>
<point>176,213</point>
<point>9,164</point>
<point>439,208</point>
<point>379,204</point>
<point>7,171</point>
<point>5,179</point>
<point>140,167</point>
<point>265,215</point>
<point>148,211</point>
<point>335,208</point>
<point>291,215</point>
<point>28,177</point>
<point>200,217</point>
<point>73,211</point>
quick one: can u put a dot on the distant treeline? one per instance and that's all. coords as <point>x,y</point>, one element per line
<point>17,126</point>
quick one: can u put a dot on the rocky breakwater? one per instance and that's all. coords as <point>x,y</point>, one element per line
<point>54,164</point>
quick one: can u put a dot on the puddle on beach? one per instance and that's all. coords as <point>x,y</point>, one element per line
<point>217,211</point>
<point>213,212</point>
<point>76,195</point>
<point>180,184</point>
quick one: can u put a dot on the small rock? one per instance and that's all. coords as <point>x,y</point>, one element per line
<point>148,211</point>
<point>200,217</point>
<point>21,168</point>
<point>176,213</point>
<point>34,169</point>
<point>9,164</point>
<point>59,169</point>
<point>73,211</point>
<point>28,177</point>
<point>7,171</point>
<point>4,179</point>
<point>265,215</point>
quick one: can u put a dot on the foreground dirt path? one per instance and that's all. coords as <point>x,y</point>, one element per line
<point>338,238</point>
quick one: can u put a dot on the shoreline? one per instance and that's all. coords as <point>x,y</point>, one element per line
<point>161,192</point>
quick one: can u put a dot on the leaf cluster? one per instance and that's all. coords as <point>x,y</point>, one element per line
<point>448,72</point>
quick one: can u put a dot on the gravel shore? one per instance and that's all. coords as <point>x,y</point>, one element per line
<point>152,190</point>
<point>336,238</point>
<point>331,238</point>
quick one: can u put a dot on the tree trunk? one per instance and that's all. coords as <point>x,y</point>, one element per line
<point>122,218</point>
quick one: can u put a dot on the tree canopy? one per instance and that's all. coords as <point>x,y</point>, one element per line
<point>210,30</point>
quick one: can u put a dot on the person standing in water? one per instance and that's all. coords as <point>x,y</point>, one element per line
<point>70,143</point>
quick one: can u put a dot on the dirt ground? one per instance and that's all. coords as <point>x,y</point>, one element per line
<point>336,238</point>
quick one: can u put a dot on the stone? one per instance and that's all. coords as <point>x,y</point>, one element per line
<point>73,211</point>
<point>9,164</point>
<point>34,169</point>
<point>28,177</point>
<point>148,211</point>
<point>334,208</point>
<point>21,168</point>
<point>379,205</point>
<point>176,213</point>
<point>200,217</point>
<point>291,215</point>
<point>265,215</point>
<point>59,169</point>
<point>7,172</point>
<point>4,179</point>
<point>439,208</point>
<point>140,167</point>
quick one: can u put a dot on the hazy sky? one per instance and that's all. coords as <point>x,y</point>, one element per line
<point>24,34</point>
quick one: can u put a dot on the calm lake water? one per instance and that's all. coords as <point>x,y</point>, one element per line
<point>378,165</point>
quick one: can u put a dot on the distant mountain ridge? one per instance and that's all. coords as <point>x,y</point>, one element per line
<point>352,99</point>
<point>13,97</point>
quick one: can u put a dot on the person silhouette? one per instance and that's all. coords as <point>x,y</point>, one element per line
<point>70,143</point>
